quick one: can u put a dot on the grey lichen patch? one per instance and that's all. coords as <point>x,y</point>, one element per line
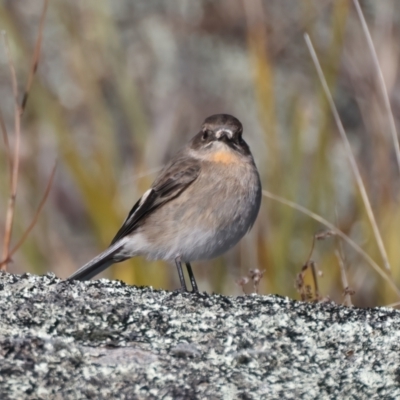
<point>185,350</point>
<point>104,339</point>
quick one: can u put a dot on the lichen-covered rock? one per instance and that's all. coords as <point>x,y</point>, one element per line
<point>106,340</point>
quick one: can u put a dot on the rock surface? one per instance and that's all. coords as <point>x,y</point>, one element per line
<point>105,340</point>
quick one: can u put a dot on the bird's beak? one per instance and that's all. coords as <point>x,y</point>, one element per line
<point>227,133</point>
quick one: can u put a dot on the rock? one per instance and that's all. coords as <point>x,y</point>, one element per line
<point>104,340</point>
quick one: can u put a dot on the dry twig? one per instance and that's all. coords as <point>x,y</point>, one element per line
<point>338,232</point>
<point>305,290</point>
<point>347,291</point>
<point>6,144</point>
<point>36,215</point>
<point>256,275</point>
<point>35,57</point>
<point>15,161</point>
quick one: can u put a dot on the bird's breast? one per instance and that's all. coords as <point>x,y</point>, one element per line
<point>210,216</point>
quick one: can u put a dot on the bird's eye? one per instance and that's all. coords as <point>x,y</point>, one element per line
<point>206,133</point>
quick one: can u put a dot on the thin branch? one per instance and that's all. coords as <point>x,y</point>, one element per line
<point>6,143</point>
<point>311,251</point>
<point>36,216</point>
<point>318,236</point>
<point>339,253</point>
<point>393,305</point>
<point>382,83</point>
<point>338,232</point>
<point>345,282</point>
<point>15,169</point>
<point>315,279</point>
<point>35,57</point>
<point>349,153</point>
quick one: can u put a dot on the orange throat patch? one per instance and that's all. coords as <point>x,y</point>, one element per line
<point>224,157</point>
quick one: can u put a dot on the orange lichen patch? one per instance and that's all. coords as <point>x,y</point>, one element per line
<point>225,157</point>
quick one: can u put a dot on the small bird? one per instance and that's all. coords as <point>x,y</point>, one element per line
<point>200,205</point>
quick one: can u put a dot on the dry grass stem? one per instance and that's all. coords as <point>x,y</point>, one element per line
<point>315,279</point>
<point>256,276</point>
<point>6,143</point>
<point>305,291</point>
<point>393,305</point>
<point>338,232</point>
<point>15,160</point>
<point>311,251</point>
<point>35,57</point>
<point>36,215</point>
<point>349,153</point>
<point>242,282</point>
<point>382,83</point>
<point>345,282</point>
<point>319,236</point>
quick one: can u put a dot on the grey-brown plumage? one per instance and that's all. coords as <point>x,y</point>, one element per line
<point>201,204</point>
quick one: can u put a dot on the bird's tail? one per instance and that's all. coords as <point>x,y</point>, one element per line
<point>97,264</point>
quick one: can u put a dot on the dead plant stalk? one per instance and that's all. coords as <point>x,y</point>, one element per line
<point>349,153</point>
<point>338,232</point>
<point>382,84</point>
<point>15,160</point>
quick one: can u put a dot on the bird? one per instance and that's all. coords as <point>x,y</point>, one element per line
<point>205,199</point>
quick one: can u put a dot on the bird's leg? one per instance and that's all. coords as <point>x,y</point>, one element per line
<point>191,277</point>
<point>178,264</point>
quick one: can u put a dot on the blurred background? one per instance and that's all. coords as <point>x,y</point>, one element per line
<point>121,85</point>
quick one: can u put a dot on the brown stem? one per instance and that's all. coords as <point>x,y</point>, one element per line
<point>15,161</point>
<point>35,57</point>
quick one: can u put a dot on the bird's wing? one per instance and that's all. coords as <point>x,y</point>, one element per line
<point>171,182</point>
